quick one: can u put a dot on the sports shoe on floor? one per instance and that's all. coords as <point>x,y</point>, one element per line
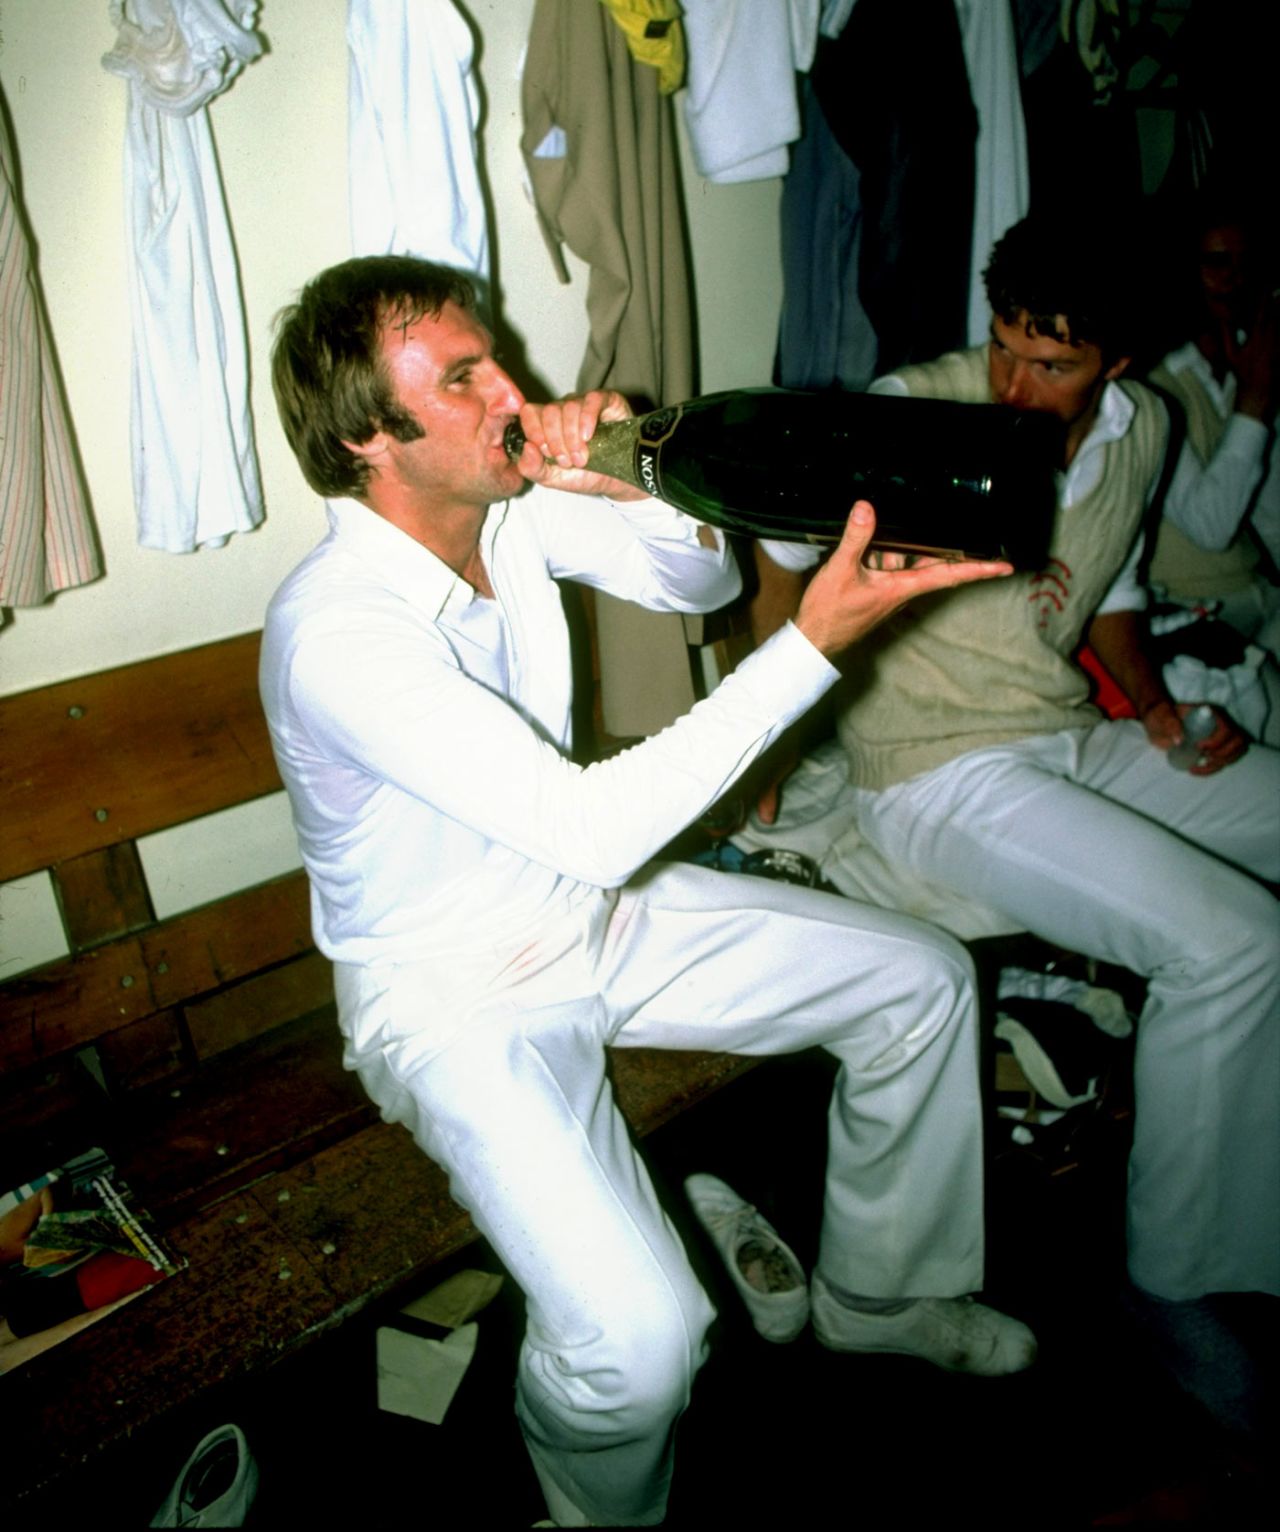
<point>216,1486</point>
<point>764,1269</point>
<point>953,1333</point>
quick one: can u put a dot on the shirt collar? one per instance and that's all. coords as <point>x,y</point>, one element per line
<point>402,564</point>
<point>1116,410</point>
<point>1187,357</point>
<point>1115,415</point>
<point>1190,358</point>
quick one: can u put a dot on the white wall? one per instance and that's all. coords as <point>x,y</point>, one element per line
<point>281,137</point>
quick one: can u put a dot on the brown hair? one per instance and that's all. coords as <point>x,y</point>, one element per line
<point>330,383</point>
<point>1063,266</point>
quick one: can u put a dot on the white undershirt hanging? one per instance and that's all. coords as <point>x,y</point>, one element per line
<point>1002,186</point>
<point>412,109</point>
<point>195,472</point>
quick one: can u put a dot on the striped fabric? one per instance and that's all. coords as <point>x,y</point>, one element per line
<point>47,538</point>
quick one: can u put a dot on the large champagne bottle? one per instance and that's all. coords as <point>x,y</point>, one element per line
<point>959,480</point>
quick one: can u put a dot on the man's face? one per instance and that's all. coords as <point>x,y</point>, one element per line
<point>443,373</point>
<point>1030,371</point>
<point>1225,276</point>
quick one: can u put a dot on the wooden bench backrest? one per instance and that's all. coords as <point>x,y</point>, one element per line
<point>89,766</point>
<point>99,761</point>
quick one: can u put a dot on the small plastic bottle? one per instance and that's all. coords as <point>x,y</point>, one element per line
<point>1197,726</point>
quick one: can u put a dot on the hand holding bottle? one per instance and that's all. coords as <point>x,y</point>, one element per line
<point>1198,737</point>
<point>556,438</point>
<point>849,596</point>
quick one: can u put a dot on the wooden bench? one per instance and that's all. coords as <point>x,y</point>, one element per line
<point>201,1052</point>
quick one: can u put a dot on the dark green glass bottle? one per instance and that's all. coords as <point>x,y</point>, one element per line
<point>957,480</point>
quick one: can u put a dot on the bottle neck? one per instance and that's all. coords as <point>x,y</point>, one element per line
<point>612,451</point>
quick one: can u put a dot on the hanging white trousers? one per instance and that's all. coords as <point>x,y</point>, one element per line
<point>1090,839</point>
<point>516,1106</point>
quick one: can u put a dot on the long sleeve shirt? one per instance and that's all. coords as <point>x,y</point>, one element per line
<point>423,731</point>
<point>1211,499</point>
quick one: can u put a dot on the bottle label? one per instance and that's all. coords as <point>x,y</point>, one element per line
<point>657,427</point>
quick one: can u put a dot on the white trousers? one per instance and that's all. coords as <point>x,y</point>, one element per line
<point>515,1104</point>
<point>1091,840</point>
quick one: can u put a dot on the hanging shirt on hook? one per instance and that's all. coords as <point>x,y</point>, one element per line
<point>195,470</point>
<point>413,110</point>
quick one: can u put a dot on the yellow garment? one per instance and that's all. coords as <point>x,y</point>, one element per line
<point>655,37</point>
<point>1093,29</point>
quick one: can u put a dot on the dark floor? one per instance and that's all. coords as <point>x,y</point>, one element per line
<point>780,1435</point>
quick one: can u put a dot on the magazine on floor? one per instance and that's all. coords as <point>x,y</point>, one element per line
<point>74,1246</point>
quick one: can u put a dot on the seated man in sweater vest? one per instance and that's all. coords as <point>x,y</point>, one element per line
<point>978,783</point>
<point>1216,554</point>
<point>1219,537</point>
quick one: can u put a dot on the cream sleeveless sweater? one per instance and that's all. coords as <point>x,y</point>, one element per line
<point>989,663</point>
<point>1184,569</point>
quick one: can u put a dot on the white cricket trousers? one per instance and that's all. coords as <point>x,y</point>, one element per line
<point>513,1101</point>
<point>1090,839</point>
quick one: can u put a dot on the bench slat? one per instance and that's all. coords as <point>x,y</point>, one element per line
<point>76,1000</point>
<point>253,1110</point>
<point>149,745</point>
<point>103,895</point>
<point>146,1053</point>
<point>258,1005</point>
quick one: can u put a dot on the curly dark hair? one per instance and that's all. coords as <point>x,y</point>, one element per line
<point>330,383</point>
<point>1068,279</point>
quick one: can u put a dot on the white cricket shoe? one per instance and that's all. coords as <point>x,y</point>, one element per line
<point>953,1333</point>
<point>763,1267</point>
